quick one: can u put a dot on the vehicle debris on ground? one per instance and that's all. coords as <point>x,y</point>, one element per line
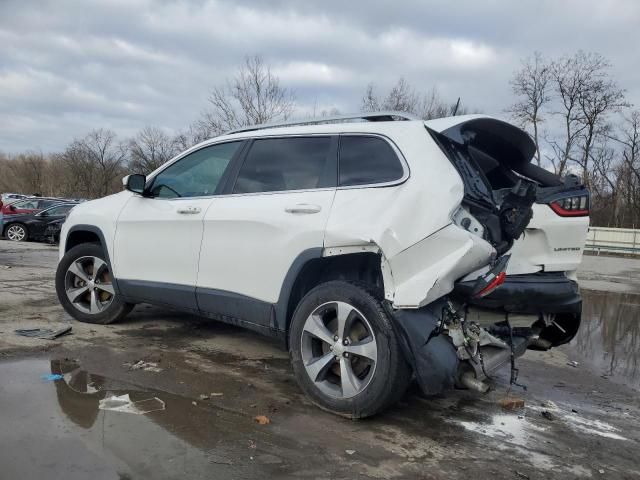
<point>43,333</point>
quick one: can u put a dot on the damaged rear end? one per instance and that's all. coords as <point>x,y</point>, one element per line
<point>527,297</point>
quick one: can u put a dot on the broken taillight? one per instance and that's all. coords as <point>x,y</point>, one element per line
<point>575,206</point>
<point>493,284</point>
<point>487,283</point>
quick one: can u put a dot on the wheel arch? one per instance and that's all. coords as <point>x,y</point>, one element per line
<point>81,233</point>
<point>314,266</point>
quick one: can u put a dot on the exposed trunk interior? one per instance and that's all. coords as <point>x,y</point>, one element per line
<point>504,190</point>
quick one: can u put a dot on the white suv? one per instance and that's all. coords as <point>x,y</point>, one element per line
<point>372,245</point>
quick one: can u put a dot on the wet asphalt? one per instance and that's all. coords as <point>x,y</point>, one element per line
<point>83,406</point>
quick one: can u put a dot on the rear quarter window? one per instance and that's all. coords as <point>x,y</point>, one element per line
<point>366,160</point>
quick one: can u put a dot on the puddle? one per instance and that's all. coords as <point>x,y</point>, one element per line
<point>608,341</point>
<point>513,428</point>
<point>84,425</point>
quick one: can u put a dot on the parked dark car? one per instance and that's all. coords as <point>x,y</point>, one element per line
<point>32,226</point>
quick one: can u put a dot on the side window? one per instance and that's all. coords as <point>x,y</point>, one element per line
<point>62,210</point>
<point>366,160</point>
<point>295,163</point>
<point>27,204</point>
<point>47,203</point>
<point>196,175</point>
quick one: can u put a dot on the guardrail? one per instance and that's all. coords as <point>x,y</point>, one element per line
<point>618,240</point>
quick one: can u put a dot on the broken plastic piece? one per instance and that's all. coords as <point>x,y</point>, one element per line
<point>52,377</point>
<point>491,280</point>
<point>44,333</point>
<point>142,365</point>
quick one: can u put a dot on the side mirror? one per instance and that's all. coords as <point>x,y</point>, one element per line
<point>12,208</point>
<point>135,183</point>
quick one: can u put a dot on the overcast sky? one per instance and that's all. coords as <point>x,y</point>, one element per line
<point>69,66</point>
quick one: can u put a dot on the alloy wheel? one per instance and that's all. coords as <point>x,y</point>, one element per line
<point>16,233</point>
<point>339,349</point>
<point>88,285</point>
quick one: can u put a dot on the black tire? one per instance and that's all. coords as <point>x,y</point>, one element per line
<point>24,228</point>
<point>114,312</point>
<point>392,374</point>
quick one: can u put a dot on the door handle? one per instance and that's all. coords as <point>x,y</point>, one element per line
<point>188,210</point>
<point>303,208</point>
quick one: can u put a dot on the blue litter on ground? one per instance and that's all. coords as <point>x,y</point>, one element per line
<point>52,377</point>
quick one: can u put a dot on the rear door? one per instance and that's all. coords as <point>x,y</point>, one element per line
<point>555,237</point>
<point>274,213</point>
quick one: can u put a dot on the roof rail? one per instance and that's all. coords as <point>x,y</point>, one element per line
<point>385,116</point>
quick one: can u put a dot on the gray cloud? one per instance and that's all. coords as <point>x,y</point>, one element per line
<point>69,66</point>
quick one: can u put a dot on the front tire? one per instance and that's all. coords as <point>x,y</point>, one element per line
<point>345,351</point>
<point>85,288</point>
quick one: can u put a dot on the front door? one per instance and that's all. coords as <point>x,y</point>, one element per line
<point>158,236</point>
<point>276,212</point>
<point>47,216</point>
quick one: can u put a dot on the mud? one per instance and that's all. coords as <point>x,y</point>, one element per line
<point>215,379</point>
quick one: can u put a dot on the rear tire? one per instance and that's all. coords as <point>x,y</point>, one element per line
<point>16,232</point>
<point>345,351</point>
<point>85,288</point>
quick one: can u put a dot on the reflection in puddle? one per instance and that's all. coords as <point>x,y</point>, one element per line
<point>124,404</point>
<point>609,336</point>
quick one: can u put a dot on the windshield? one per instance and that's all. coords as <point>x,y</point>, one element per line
<point>26,204</point>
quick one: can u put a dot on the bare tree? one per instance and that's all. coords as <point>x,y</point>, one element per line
<point>629,137</point>
<point>370,102</point>
<point>105,157</point>
<point>26,172</point>
<point>586,97</point>
<point>149,149</point>
<point>253,96</point>
<point>402,97</point>
<point>530,84</point>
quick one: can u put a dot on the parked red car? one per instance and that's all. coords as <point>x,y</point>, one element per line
<point>28,205</point>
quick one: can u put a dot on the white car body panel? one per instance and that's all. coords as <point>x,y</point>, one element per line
<point>251,240</point>
<point>550,242</point>
<point>158,240</point>
<point>396,217</point>
<point>101,213</point>
<point>427,271</point>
